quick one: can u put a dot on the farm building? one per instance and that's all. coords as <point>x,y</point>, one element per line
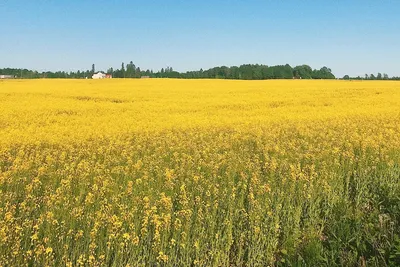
<point>6,76</point>
<point>99,75</point>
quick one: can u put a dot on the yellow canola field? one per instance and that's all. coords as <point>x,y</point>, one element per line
<point>67,110</point>
<point>125,172</point>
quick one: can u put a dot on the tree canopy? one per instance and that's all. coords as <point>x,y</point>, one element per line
<point>242,72</point>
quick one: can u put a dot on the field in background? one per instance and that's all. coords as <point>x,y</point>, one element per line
<point>199,172</point>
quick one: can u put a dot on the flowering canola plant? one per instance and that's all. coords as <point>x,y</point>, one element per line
<point>199,172</point>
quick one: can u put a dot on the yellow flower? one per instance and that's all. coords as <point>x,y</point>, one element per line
<point>162,257</point>
<point>126,236</point>
<point>49,250</point>
<point>34,237</point>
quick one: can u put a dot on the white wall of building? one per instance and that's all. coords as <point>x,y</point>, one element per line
<point>99,75</point>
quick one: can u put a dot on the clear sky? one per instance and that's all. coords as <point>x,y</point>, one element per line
<point>351,37</point>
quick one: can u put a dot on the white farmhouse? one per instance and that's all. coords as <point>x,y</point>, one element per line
<point>6,76</point>
<point>99,75</point>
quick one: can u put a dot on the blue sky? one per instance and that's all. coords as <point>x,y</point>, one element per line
<point>350,37</point>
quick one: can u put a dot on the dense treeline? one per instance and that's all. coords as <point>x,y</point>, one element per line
<point>379,76</point>
<point>243,72</point>
<point>31,74</point>
<point>261,72</point>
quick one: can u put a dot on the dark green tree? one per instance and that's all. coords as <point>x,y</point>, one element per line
<point>122,70</point>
